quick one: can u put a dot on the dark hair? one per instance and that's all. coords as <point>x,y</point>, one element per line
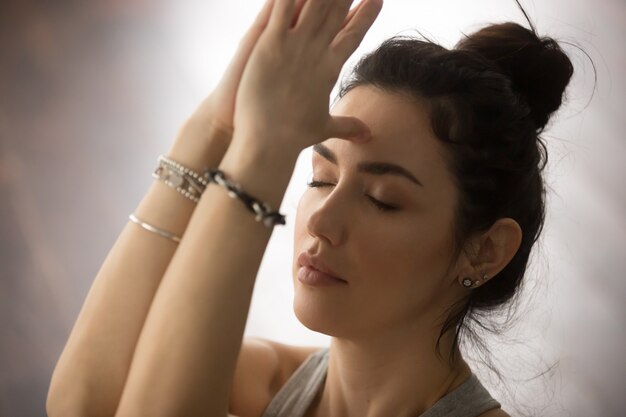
<point>489,99</point>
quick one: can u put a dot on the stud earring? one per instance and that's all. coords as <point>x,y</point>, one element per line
<point>467,282</point>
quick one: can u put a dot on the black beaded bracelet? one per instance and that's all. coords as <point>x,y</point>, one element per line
<point>262,210</point>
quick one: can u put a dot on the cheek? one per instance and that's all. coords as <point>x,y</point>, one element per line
<point>403,264</point>
<point>299,229</point>
<point>386,262</point>
<point>299,232</point>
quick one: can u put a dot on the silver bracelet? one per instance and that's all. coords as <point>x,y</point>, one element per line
<point>154,229</point>
<point>186,181</point>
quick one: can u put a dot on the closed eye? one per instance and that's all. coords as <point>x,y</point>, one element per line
<point>379,204</point>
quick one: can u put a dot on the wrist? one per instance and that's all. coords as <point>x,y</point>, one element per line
<point>200,145</point>
<point>261,172</point>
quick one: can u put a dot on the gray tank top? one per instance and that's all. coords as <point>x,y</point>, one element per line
<point>469,399</point>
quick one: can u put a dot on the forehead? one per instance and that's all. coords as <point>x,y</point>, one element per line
<point>393,112</point>
<point>401,132</point>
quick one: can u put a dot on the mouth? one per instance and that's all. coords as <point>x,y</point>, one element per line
<point>316,262</point>
<point>312,277</point>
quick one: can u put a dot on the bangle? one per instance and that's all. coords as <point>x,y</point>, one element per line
<point>153,229</point>
<point>186,181</point>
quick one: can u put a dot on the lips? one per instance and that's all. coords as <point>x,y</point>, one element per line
<point>316,263</point>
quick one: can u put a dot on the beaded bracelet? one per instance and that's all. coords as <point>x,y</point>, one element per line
<point>262,210</point>
<point>186,181</point>
<point>192,184</point>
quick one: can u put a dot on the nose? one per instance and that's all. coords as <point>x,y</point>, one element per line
<point>329,217</point>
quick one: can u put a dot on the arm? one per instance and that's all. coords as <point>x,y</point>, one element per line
<point>186,354</point>
<point>89,376</point>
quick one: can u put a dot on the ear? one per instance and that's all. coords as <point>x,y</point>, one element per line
<point>495,249</point>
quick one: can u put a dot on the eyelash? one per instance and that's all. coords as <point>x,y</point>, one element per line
<point>379,204</point>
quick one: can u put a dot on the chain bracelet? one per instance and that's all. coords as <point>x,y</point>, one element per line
<point>262,210</point>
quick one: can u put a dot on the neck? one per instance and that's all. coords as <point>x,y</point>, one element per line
<point>399,376</point>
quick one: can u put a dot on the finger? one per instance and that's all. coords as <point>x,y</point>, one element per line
<point>247,43</point>
<point>346,21</point>
<point>351,14</point>
<point>350,37</point>
<point>282,14</point>
<point>253,33</point>
<point>224,94</point>
<point>264,15</point>
<point>346,127</point>
<point>335,20</point>
<point>313,15</point>
<point>297,12</point>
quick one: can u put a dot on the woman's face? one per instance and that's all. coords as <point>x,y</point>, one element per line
<point>394,261</point>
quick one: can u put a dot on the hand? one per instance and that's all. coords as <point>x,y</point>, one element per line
<point>285,87</point>
<point>205,136</point>
<point>218,108</point>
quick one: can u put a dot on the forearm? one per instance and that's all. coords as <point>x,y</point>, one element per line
<point>91,371</point>
<point>186,355</point>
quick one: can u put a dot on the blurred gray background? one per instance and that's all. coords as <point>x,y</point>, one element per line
<point>92,92</point>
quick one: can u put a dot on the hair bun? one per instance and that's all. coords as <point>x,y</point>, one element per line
<point>537,67</point>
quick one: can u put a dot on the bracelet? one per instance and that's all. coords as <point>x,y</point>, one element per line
<point>262,210</point>
<point>192,184</point>
<point>186,181</point>
<point>154,229</point>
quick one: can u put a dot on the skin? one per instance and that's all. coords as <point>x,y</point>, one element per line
<point>384,323</point>
<point>190,334</point>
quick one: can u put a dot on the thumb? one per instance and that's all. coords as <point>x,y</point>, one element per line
<point>347,127</point>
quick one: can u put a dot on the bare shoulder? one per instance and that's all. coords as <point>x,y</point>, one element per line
<point>496,412</point>
<point>263,366</point>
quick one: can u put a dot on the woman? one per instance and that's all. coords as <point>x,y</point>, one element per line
<point>425,203</point>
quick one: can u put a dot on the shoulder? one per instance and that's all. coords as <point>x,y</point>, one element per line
<point>289,357</point>
<point>262,368</point>
<point>496,412</point>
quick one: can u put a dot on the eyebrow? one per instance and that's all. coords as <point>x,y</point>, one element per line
<point>370,167</point>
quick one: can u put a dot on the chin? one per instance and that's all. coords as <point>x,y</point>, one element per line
<point>316,312</point>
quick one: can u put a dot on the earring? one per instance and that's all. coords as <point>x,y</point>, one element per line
<point>467,282</point>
